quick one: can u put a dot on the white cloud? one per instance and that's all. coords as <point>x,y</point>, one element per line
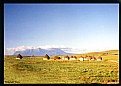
<point>68,49</point>
<point>10,51</point>
<point>51,46</point>
<point>20,48</point>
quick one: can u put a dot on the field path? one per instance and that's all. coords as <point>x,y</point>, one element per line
<point>113,61</point>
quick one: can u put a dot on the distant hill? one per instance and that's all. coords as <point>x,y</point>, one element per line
<point>101,53</point>
<point>41,52</point>
<point>105,52</point>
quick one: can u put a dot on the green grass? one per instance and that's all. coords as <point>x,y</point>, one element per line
<point>33,70</point>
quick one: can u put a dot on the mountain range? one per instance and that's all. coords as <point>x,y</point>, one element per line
<point>41,52</point>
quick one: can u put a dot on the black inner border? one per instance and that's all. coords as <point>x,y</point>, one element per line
<point>44,2</point>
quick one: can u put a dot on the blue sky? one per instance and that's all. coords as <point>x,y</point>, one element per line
<point>84,26</point>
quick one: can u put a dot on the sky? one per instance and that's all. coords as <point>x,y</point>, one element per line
<point>82,26</point>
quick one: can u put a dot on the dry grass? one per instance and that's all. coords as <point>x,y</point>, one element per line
<point>34,70</point>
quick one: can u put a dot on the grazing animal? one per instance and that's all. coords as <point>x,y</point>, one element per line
<point>19,56</point>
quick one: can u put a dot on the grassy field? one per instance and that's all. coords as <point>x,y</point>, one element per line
<point>34,70</point>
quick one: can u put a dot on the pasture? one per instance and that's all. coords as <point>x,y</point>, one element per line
<point>35,70</point>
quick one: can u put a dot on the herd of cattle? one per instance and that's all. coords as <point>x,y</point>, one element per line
<point>81,58</point>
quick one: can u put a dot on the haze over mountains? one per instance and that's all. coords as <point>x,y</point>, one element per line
<point>37,51</point>
<point>42,50</point>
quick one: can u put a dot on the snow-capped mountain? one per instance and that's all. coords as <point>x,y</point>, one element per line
<point>48,49</point>
<point>41,52</point>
